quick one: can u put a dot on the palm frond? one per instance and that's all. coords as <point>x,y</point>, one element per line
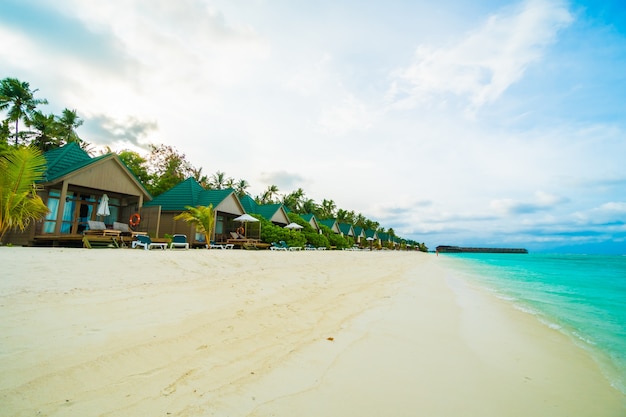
<point>21,168</point>
<point>202,217</point>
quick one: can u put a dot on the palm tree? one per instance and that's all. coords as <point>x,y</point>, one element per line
<point>19,203</point>
<point>309,206</point>
<point>5,132</point>
<point>269,194</point>
<point>241,186</point>
<point>203,180</point>
<point>202,217</point>
<point>18,98</point>
<point>218,180</point>
<point>46,131</point>
<point>68,122</point>
<point>328,209</point>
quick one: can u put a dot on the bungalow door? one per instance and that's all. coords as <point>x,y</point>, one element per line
<point>83,212</point>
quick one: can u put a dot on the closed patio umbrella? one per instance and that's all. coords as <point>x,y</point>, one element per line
<point>103,207</point>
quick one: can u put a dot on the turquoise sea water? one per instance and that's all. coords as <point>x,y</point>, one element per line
<point>582,295</point>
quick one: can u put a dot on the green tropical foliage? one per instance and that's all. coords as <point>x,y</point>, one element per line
<point>21,168</point>
<point>46,129</point>
<point>17,97</point>
<point>268,195</point>
<point>202,217</point>
<point>167,167</point>
<point>67,124</point>
<point>240,187</point>
<point>4,136</point>
<point>219,181</point>
<point>137,164</point>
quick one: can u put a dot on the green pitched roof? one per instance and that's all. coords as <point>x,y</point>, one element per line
<point>371,233</point>
<point>328,222</point>
<point>308,216</point>
<point>268,210</point>
<point>189,193</point>
<point>214,197</point>
<point>248,203</point>
<point>61,161</point>
<point>176,198</point>
<point>345,228</point>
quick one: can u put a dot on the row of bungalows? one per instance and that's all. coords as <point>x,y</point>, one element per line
<point>160,213</point>
<point>361,236</point>
<point>75,183</point>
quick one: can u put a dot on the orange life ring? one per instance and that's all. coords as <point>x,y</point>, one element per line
<point>134,220</point>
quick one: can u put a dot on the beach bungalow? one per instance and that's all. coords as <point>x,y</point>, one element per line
<point>386,240</point>
<point>346,229</point>
<point>275,213</point>
<point>371,238</point>
<point>359,234</point>
<point>331,224</point>
<point>312,220</point>
<point>190,193</point>
<point>73,187</point>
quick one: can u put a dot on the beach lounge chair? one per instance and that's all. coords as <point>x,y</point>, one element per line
<point>238,236</point>
<point>126,230</point>
<point>144,241</point>
<point>221,245</point>
<point>95,228</point>
<point>98,235</point>
<point>179,241</point>
<point>290,248</point>
<point>239,240</point>
<point>276,246</point>
<point>126,234</point>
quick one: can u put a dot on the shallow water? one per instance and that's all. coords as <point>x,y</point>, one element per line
<point>582,295</point>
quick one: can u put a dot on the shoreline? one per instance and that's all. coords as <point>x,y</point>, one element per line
<point>608,365</point>
<point>197,332</point>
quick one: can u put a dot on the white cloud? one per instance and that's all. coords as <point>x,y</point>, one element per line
<point>542,201</point>
<point>611,212</point>
<point>482,65</point>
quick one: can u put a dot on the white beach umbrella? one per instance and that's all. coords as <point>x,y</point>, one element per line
<point>245,218</point>
<point>103,207</point>
<point>293,226</point>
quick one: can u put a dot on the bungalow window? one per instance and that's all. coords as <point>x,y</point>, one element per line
<point>68,212</point>
<point>53,207</point>
<point>219,225</point>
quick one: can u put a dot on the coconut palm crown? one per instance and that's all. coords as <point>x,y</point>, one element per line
<point>202,217</point>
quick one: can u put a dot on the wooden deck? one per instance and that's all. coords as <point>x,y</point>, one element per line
<point>90,241</point>
<point>84,241</point>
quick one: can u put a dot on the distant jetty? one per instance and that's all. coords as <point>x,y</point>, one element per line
<point>460,249</point>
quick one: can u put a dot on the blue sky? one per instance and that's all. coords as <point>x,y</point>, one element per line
<point>474,123</point>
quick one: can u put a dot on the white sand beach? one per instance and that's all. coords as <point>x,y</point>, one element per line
<point>262,333</point>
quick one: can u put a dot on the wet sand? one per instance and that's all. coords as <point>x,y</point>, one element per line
<point>238,333</point>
